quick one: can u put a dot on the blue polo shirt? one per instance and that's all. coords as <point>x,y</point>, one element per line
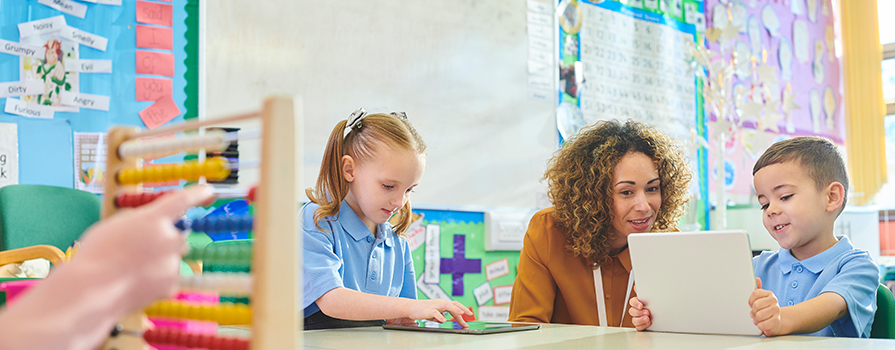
<point>842,269</point>
<point>346,254</point>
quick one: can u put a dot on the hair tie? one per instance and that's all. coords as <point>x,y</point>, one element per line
<point>354,121</point>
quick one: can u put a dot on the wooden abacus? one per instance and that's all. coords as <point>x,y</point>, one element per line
<point>272,313</point>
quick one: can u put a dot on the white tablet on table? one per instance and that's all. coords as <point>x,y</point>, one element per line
<point>475,327</point>
<point>695,282</point>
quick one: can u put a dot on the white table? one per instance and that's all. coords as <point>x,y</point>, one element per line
<point>556,337</point>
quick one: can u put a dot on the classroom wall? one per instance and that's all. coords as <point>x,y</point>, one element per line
<point>458,68</point>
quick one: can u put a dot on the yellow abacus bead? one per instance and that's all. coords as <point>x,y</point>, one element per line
<point>160,174</point>
<point>187,172</point>
<point>154,174</point>
<point>143,175</point>
<point>122,177</point>
<point>208,168</point>
<point>176,171</point>
<point>194,171</point>
<point>219,169</point>
<point>165,173</point>
<point>126,177</point>
<point>169,172</point>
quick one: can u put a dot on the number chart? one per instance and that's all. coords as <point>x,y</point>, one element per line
<point>635,67</point>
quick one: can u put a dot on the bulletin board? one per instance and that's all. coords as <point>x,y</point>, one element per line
<point>96,44</point>
<point>786,84</point>
<point>451,263</point>
<point>629,59</point>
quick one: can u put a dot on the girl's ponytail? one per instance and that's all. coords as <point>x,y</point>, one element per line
<point>331,186</point>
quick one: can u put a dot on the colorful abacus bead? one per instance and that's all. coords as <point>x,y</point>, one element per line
<point>224,283</point>
<point>223,314</point>
<point>133,200</point>
<point>214,169</point>
<point>166,336</point>
<point>213,140</point>
<point>214,224</point>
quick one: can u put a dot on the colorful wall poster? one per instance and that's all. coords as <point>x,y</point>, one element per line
<point>460,265</point>
<point>785,82</point>
<point>90,160</point>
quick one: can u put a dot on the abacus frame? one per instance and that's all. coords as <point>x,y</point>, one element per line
<point>276,251</point>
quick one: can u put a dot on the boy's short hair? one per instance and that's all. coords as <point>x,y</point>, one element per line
<point>818,156</point>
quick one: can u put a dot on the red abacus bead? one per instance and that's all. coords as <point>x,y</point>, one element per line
<point>251,195</point>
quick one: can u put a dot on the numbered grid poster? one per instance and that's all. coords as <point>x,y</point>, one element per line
<point>623,62</point>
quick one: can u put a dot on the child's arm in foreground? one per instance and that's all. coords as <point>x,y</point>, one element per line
<point>806,317</point>
<point>350,304</point>
<point>640,315</point>
<point>125,262</point>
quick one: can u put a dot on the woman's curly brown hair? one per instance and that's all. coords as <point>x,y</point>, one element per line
<point>579,177</point>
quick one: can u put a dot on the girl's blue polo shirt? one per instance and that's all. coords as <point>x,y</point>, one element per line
<point>842,269</point>
<point>347,255</point>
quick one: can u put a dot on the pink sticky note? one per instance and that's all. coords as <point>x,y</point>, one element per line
<point>155,38</point>
<point>162,111</point>
<point>154,13</point>
<point>155,63</point>
<point>152,89</point>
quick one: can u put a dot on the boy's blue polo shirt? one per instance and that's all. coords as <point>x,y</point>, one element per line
<point>842,269</point>
<point>349,256</point>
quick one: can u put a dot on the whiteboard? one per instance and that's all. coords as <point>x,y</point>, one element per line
<point>458,68</point>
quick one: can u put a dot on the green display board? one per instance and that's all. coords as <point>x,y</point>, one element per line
<point>463,264</point>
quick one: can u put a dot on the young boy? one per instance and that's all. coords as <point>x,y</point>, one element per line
<point>815,284</point>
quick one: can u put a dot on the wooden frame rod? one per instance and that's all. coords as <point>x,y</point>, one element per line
<point>195,125</point>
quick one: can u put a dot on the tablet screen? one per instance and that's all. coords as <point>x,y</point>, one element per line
<point>475,327</point>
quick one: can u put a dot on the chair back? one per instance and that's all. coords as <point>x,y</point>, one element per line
<point>884,320</point>
<point>39,214</point>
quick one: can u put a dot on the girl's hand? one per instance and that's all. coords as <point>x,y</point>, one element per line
<point>141,247</point>
<point>434,310</point>
<point>640,315</point>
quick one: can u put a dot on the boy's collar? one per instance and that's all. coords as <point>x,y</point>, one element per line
<point>816,263</point>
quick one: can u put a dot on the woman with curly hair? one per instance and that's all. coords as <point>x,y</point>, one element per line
<point>611,180</point>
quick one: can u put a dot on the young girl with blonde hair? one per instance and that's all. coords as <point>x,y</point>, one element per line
<point>357,272</point>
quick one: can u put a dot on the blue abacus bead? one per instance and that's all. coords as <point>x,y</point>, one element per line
<point>245,224</point>
<point>196,225</point>
<point>209,223</point>
<point>220,225</point>
<point>182,224</point>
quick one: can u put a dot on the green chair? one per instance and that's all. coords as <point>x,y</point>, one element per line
<point>39,215</point>
<point>38,221</point>
<point>884,320</point>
